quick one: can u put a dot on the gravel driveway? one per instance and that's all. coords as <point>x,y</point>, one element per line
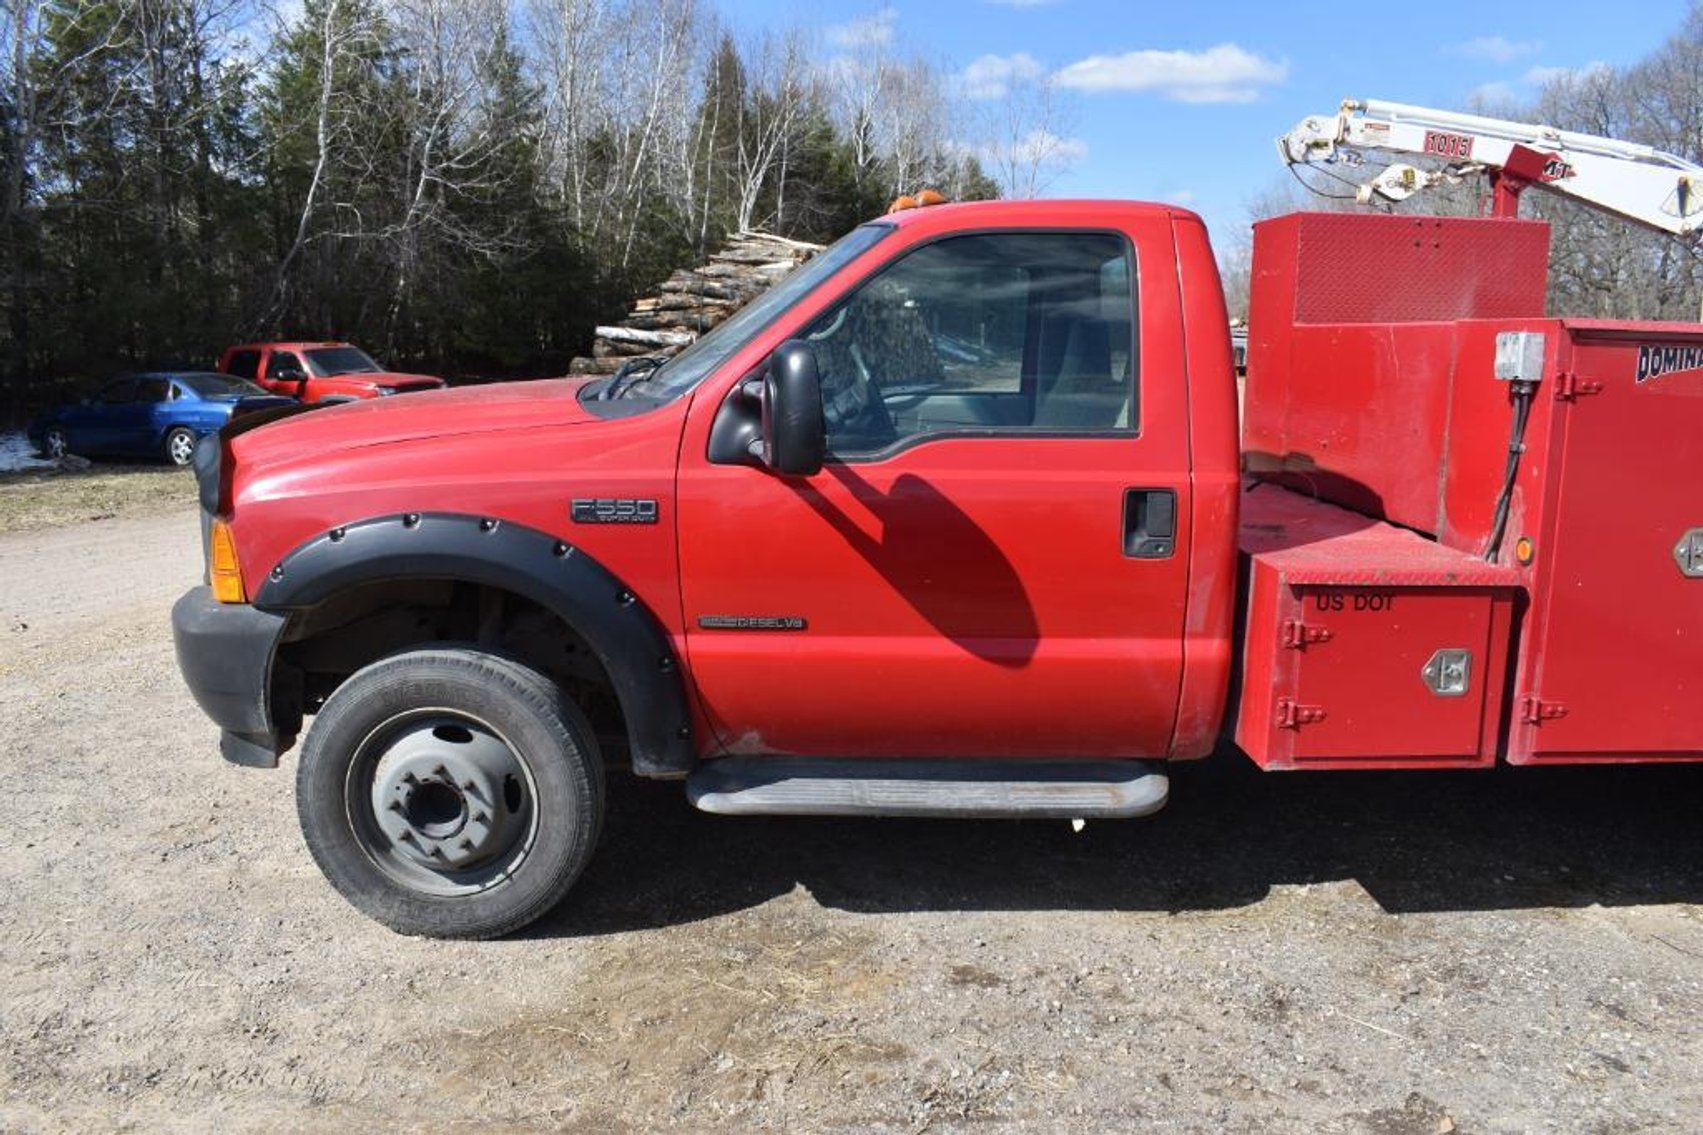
<point>1340,952</point>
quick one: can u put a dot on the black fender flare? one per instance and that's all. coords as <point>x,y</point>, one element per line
<point>626,637</point>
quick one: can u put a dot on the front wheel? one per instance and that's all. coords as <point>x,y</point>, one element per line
<point>180,445</point>
<point>450,793</point>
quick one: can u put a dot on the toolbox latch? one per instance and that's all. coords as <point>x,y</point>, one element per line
<point>1689,554</point>
<point>1448,674</point>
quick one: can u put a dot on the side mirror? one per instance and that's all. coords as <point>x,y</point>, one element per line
<point>289,375</point>
<point>795,436</point>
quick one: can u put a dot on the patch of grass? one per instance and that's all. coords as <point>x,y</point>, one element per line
<point>53,498</point>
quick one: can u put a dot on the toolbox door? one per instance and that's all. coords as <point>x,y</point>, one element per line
<point>1616,664</point>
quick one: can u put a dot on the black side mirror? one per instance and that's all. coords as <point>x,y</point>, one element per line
<point>795,436</point>
<point>290,374</point>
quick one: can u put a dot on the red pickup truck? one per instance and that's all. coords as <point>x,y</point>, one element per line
<point>319,372</point>
<point>953,521</point>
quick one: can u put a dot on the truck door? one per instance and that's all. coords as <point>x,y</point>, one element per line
<point>993,560</point>
<point>284,374</point>
<point>101,426</point>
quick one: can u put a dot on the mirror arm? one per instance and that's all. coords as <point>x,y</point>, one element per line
<point>756,389</point>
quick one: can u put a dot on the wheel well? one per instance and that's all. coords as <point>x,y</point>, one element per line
<point>323,645</point>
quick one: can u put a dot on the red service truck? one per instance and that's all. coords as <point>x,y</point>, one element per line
<point>954,521</point>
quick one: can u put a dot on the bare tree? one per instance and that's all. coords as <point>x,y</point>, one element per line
<point>778,94</point>
<point>1024,136</point>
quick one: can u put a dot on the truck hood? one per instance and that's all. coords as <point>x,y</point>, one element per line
<point>428,414</point>
<point>395,380</point>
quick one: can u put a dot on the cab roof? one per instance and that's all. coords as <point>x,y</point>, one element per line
<point>290,345</point>
<point>1043,213</point>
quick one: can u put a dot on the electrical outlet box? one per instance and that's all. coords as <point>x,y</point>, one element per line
<point>1519,356</point>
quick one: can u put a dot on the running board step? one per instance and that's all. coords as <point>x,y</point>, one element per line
<point>807,786</point>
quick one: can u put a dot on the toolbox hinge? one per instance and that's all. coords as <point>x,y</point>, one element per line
<point>1292,715</point>
<point>1569,387</point>
<point>1297,634</point>
<point>1534,709</point>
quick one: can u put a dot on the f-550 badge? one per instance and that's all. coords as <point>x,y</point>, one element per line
<point>613,510</point>
<point>1663,362</point>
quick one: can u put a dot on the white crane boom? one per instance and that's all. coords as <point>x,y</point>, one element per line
<point>1640,183</point>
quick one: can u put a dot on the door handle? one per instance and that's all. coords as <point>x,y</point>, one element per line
<point>1150,523</point>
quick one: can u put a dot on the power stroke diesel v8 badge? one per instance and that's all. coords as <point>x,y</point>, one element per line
<point>613,510</point>
<point>752,623</point>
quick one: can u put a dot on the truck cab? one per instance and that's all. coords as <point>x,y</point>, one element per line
<point>956,500</point>
<point>319,372</point>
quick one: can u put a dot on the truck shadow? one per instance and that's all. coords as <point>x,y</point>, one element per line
<point>1440,841</point>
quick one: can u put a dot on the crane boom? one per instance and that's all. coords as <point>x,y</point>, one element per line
<point>1639,183</point>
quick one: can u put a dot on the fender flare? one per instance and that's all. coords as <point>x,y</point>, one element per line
<point>627,638</point>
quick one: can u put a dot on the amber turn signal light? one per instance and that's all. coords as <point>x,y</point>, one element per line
<point>223,571</point>
<point>1524,550</point>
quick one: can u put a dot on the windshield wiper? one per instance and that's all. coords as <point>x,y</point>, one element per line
<point>630,373</point>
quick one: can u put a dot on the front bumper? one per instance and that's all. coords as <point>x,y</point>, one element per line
<point>225,653</point>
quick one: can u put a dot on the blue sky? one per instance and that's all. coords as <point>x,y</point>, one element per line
<point>1181,101</point>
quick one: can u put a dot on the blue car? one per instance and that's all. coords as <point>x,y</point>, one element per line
<point>148,415</point>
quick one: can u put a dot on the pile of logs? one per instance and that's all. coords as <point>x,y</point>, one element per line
<point>693,300</point>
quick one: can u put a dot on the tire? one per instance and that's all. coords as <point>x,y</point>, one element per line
<point>180,445</point>
<point>54,444</point>
<point>450,793</point>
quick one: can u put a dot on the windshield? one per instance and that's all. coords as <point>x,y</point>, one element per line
<point>327,361</point>
<point>218,385</point>
<point>685,370</point>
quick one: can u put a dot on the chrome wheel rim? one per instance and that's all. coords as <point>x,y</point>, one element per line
<point>180,447</point>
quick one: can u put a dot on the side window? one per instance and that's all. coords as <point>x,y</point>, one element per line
<point>282,362</point>
<point>152,390</point>
<point>990,334</point>
<point>244,364</point>
<point>120,393</point>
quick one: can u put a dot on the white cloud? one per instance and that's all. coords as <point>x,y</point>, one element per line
<point>1225,73</point>
<point>1037,147</point>
<point>1180,197</point>
<point>1502,94</point>
<point>1543,76</point>
<point>870,31</point>
<point>1494,96</point>
<point>1496,48</point>
<point>991,76</point>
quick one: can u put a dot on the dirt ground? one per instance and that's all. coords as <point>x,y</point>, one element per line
<point>1359,953</point>
<point>49,497</point>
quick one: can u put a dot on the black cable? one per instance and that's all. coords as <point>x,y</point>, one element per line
<point>1310,188</point>
<point>1516,446</point>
